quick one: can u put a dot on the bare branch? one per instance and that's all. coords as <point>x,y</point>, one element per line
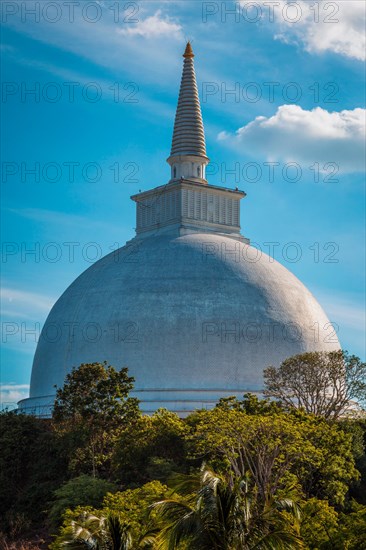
<point>325,384</point>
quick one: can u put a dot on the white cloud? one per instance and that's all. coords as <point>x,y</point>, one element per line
<point>61,218</point>
<point>350,314</point>
<point>321,26</point>
<point>67,220</point>
<point>109,42</point>
<point>154,26</point>
<point>10,394</point>
<point>15,300</point>
<point>295,134</point>
<point>23,314</point>
<point>6,48</point>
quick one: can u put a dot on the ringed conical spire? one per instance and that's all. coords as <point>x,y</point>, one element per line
<point>188,51</point>
<point>188,157</point>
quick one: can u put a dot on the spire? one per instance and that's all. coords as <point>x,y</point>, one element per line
<point>188,157</point>
<point>188,135</point>
<point>188,51</point>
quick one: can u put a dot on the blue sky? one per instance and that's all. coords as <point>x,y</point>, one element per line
<point>98,126</point>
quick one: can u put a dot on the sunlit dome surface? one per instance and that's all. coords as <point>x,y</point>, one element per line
<point>191,323</point>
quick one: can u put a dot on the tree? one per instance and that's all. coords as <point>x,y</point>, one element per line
<point>357,429</point>
<point>226,513</point>
<point>319,523</point>
<point>32,466</point>
<point>352,528</point>
<point>90,531</point>
<point>250,404</point>
<point>322,383</point>
<point>131,507</point>
<point>79,491</point>
<point>92,406</point>
<point>152,447</point>
<point>277,449</point>
<point>95,391</point>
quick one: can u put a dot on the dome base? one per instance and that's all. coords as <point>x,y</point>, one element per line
<point>181,402</point>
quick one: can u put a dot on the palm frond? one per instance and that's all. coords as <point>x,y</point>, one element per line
<point>119,532</point>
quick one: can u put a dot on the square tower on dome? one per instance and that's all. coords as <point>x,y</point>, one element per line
<point>185,206</point>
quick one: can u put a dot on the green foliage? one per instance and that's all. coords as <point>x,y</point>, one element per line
<point>357,430</point>
<point>276,447</point>
<point>266,457</point>
<point>329,469</point>
<point>90,409</point>
<point>351,533</point>
<point>152,447</point>
<point>319,523</point>
<point>161,469</point>
<point>32,465</point>
<point>250,404</point>
<point>79,491</point>
<point>95,392</point>
<point>102,532</point>
<point>227,513</point>
<point>322,528</point>
<point>131,507</point>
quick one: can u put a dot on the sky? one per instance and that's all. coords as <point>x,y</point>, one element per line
<point>89,91</point>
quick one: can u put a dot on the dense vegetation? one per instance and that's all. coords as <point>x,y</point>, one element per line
<point>246,474</point>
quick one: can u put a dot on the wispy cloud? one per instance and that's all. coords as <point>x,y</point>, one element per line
<point>10,394</point>
<point>322,26</point>
<point>153,26</point>
<point>143,101</point>
<point>106,42</point>
<point>295,134</point>
<point>61,218</point>
<point>16,301</point>
<point>22,313</point>
<point>348,316</point>
<point>6,48</point>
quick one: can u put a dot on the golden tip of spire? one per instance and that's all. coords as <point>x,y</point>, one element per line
<point>188,51</point>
